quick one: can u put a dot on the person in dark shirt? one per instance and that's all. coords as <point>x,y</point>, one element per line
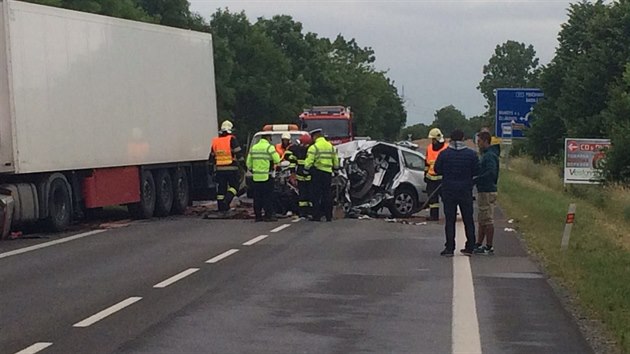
<point>458,165</point>
<point>486,192</point>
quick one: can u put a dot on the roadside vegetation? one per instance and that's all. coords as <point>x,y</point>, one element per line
<point>596,266</point>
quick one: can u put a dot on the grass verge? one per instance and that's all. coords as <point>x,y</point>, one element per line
<point>596,267</point>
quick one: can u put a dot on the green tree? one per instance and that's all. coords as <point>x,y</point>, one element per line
<point>417,131</point>
<point>513,64</point>
<point>581,81</point>
<point>450,118</point>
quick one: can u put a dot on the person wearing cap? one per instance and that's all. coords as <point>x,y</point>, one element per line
<point>321,159</point>
<point>260,161</point>
<point>297,157</point>
<point>432,179</point>
<point>227,158</point>
<point>458,165</point>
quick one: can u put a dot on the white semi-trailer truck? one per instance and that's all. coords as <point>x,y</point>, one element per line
<point>98,111</point>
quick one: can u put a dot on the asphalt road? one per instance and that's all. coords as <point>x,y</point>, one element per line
<point>350,286</point>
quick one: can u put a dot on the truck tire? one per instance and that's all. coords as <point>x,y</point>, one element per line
<point>404,203</point>
<point>181,191</point>
<point>146,206</point>
<point>59,205</point>
<point>164,193</point>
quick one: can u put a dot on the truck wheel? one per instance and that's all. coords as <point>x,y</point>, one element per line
<point>59,205</point>
<point>404,203</point>
<point>181,192</point>
<point>164,193</point>
<point>146,206</point>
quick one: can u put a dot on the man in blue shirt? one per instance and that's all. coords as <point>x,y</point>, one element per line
<point>457,165</point>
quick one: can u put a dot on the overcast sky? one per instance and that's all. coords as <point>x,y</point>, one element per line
<point>435,50</point>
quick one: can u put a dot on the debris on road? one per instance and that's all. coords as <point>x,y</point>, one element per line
<point>511,221</point>
<point>115,224</point>
<point>509,229</point>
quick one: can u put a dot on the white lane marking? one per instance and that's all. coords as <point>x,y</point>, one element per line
<point>48,244</point>
<point>107,312</point>
<point>255,239</point>
<point>222,256</point>
<point>297,220</point>
<point>280,228</point>
<point>35,348</point>
<point>175,278</point>
<point>466,338</point>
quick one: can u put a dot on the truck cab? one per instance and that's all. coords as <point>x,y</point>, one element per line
<point>335,121</point>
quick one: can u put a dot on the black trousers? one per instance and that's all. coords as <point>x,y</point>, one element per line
<point>464,200</point>
<point>228,183</point>
<point>304,203</point>
<point>321,194</point>
<point>434,202</point>
<point>263,199</point>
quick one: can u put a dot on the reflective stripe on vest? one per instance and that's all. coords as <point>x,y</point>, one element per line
<point>323,155</point>
<point>222,148</point>
<point>262,158</point>
<point>432,156</point>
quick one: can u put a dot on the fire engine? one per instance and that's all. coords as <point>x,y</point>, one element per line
<point>335,121</point>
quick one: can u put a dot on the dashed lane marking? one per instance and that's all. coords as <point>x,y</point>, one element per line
<point>222,256</point>
<point>107,312</point>
<point>35,348</point>
<point>175,278</point>
<point>280,228</point>
<point>255,240</point>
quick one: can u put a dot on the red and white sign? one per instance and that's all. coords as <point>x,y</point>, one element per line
<point>584,159</point>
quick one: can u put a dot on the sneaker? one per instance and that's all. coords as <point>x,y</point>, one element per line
<point>446,253</point>
<point>484,250</point>
<point>479,250</point>
<point>466,252</point>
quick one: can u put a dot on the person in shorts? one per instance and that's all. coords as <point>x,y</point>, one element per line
<point>486,192</point>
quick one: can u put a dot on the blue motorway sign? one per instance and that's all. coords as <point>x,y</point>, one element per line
<point>514,109</point>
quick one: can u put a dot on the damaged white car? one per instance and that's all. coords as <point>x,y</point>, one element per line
<point>376,175</point>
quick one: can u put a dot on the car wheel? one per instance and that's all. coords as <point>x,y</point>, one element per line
<point>404,203</point>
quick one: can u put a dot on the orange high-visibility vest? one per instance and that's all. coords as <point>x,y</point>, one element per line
<point>281,150</point>
<point>432,156</point>
<point>222,148</point>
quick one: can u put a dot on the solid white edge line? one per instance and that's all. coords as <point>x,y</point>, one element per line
<point>35,348</point>
<point>48,244</point>
<point>175,278</point>
<point>465,325</point>
<point>107,312</point>
<point>222,256</point>
<point>255,240</point>
<point>280,228</point>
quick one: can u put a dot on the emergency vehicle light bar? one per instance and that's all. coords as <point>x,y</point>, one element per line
<point>279,127</point>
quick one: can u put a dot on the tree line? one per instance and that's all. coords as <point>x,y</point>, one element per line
<point>586,87</point>
<point>269,70</point>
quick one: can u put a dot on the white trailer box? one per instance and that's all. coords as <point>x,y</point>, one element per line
<point>80,91</point>
<point>98,111</point>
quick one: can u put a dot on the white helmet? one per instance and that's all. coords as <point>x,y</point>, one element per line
<point>436,134</point>
<point>226,126</point>
<point>286,136</point>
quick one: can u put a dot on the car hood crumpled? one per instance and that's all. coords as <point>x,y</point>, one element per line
<point>370,173</point>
